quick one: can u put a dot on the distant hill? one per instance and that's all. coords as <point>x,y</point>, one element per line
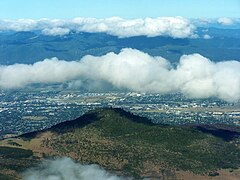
<point>30,47</point>
<point>128,145</point>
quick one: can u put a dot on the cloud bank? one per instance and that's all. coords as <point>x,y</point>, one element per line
<point>66,169</point>
<point>195,76</point>
<point>222,22</point>
<point>176,27</point>
<point>56,31</point>
<point>225,21</point>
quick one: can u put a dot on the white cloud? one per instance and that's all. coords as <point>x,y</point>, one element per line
<point>176,27</point>
<point>56,31</point>
<point>194,76</point>
<point>47,71</point>
<point>18,25</point>
<point>225,21</point>
<point>206,36</point>
<point>217,22</point>
<point>66,169</point>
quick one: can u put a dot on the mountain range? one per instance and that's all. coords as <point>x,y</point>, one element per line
<point>32,46</point>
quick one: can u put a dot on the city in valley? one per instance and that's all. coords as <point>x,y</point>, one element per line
<point>27,110</point>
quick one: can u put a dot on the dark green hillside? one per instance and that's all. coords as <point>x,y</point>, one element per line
<point>131,145</point>
<point>132,141</point>
<point>14,161</point>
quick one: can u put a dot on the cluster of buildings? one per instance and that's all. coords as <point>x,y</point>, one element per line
<point>25,111</point>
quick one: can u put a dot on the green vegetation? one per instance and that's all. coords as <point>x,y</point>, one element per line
<point>121,141</point>
<point>6,177</point>
<point>15,161</point>
<point>14,143</point>
<point>9,152</point>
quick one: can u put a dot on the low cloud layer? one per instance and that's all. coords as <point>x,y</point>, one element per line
<point>225,21</point>
<point>56,31</point>
<point>176,27</point>
<point>222,22</point>
<point>195,76</point>
<point>66,169</point>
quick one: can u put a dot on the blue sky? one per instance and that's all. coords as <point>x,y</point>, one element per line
<point>65,9</point>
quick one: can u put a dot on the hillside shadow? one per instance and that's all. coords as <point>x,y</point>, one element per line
<point>226,135</point>
<point>64,126</point>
